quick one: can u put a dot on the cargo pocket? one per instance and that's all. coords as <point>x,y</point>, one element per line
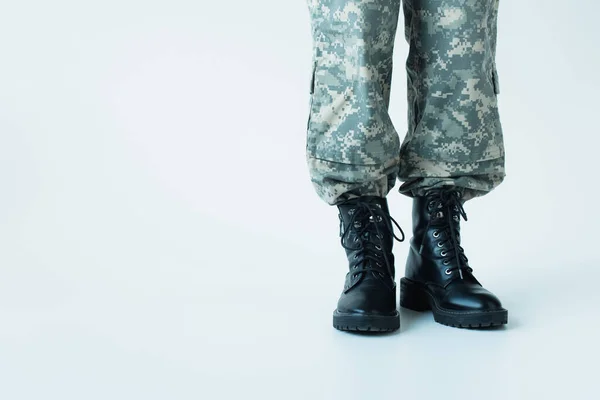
<point>311,94</point>
<point>495,80</point>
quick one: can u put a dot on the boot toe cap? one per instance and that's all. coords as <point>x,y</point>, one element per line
<point>471,299</point>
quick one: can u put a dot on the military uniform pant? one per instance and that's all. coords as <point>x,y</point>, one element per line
<point>454,133</point>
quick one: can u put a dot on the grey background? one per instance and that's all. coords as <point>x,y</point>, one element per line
<point>160,238</point>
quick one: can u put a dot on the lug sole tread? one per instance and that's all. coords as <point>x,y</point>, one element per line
<point>363,328</point>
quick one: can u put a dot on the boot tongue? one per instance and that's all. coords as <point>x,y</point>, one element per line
<point>358,224</point>
<point>367,233</point>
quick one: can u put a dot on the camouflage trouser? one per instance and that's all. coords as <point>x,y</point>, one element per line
<point>454,132</point>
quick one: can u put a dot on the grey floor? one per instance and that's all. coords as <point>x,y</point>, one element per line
<point>126,295</point>
<point>160,238</point>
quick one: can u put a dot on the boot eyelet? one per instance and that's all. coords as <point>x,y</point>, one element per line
<point>446,262</point>
<point>448,272</point>
<point>379,219</point>
<point>444,253</point>
<point>378,247</point>
<point>356,239</point>
<point>440,244</point>
<point>436,234</point>
<point>355,256</point>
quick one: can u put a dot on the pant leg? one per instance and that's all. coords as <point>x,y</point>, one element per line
<point>454,135</point>
<point>352,147</point>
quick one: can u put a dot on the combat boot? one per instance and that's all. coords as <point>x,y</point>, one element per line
<point>368,301</point>
<point>438,275</point>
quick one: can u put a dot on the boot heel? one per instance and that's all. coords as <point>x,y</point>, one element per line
<point>412,296</point>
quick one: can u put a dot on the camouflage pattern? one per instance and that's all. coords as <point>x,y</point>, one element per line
<point>454,129</point>
<point>454,133</point>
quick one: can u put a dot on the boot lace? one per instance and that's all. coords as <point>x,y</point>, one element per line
<point>366,216</point>
<point>446,209</point>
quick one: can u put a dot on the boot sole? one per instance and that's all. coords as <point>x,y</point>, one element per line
<point>417,297</point>
<point>366,323</point>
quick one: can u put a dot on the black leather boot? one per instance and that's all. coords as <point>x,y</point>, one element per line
<point>368,302</point>
<point>438,275</point>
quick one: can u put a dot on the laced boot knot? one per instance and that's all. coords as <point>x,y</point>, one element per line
<point>369,222</point>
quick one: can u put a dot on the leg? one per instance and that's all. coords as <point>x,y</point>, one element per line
<point>352,147</point>
<point>454,135</point>
<point>453,151</point>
